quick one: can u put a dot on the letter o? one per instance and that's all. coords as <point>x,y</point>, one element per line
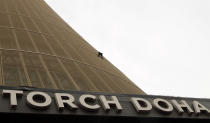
<point>40,105</point>
<point>167,108</point>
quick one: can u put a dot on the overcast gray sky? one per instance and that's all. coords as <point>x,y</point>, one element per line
<point>161,45</point>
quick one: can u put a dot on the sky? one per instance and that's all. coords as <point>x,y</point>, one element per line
<point>163,46</point>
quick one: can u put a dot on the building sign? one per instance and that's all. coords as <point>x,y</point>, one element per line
<point>44,101</point>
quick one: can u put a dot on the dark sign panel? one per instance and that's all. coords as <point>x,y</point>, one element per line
<point>58,102</point>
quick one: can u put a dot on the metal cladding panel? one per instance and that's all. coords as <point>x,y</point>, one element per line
<point>38,49</point>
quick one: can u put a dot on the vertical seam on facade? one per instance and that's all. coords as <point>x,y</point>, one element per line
<point>70,77</point>
<point>79,68</point>
<point>40,79</point>
<point>72,62</point>
<point>19,53</point>
<point>1,68</point>
<point>44,41</point>
<point>113,83</point>
<point>98,76</point>
<point>41,59</point>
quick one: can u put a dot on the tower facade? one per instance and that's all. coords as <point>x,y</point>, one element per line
<point>38,49</point>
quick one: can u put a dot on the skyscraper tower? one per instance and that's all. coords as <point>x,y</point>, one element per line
<point>38,49</point>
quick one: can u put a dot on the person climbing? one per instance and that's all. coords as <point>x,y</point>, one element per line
<point>100,55</point>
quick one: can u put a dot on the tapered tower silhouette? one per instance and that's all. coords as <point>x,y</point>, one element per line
<point>38,49</point>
